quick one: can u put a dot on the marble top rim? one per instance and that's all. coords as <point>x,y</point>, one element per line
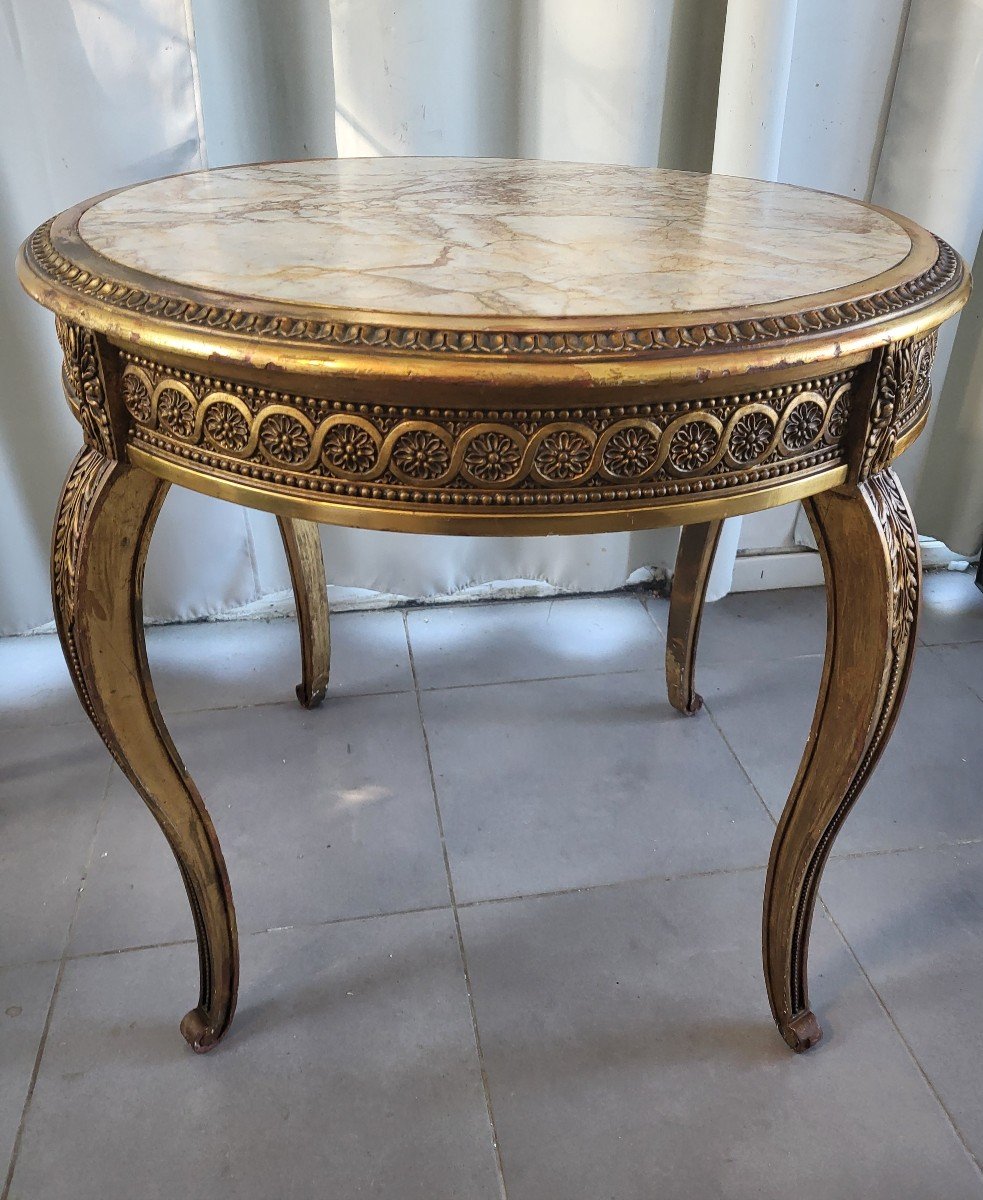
<point>57,253</point>
<point>850,279</point>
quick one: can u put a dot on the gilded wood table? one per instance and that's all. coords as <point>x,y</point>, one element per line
<point>489,347</point>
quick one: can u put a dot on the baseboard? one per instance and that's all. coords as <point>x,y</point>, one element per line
<point>783,569</point>
<point>757,572</point>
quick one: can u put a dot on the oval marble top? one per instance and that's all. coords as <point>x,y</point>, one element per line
<point>492,239</point>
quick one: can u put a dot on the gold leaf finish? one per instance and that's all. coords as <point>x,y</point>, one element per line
<point>873,570</point>
<point>461,457</point>
<point>566,349</point>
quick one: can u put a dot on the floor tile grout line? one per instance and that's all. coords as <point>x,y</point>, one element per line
<point>376,916</point>
<point>904,1041</point>
<point>175,713</point>
<point>512,897</point>
<point>643,600</point>
<point>971,688</point>
<point>56,988</point>
<point>35,1070</point>
<point>243,933</point>
<point>842,855</point>
<point>887,1012</point>
<point>631,881</point>
<point>172,714</point>
<point>849,855</point>
<point>456,687</point>
<point>744,771</point>
<point>870,984</point>
<point>485,1084</point>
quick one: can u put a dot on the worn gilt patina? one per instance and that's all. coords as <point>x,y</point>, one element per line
<point>504,348</point>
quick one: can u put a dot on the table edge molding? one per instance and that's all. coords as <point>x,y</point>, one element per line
<point>96,279</point>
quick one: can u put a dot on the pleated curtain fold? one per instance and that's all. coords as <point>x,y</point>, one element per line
<point>879,100</point>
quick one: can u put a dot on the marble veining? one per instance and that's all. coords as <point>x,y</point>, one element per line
<point>492,238</point>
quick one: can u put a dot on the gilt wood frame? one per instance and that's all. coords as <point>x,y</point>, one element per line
<point>401,422</point>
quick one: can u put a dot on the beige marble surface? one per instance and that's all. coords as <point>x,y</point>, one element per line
<point>492,238</point>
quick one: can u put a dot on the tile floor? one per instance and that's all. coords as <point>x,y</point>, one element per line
<point>499,910</point>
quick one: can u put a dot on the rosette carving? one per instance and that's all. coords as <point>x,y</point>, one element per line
<point>693,445</point>
<point>803,424</point>
<point>421,454</point>
<point>493,456</point>
<point>226,427</point>
<point>750,437</point>
<point>563,455</point>
<point>284,438</point>
<point>350,448</point>
<point>836,425</point>
<point>463,456</point>
<point>176,411</point>
<point>136,396</point>
<point>631,452</point>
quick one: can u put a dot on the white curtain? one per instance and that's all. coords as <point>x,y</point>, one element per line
<point>879,99</point>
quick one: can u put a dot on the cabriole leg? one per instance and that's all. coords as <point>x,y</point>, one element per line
<point>302,542</point>
<point>102,530</point>
<point>694,560</point>
<point>867,539</point>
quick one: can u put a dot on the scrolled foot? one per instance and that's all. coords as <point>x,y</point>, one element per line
<point>697,545</point>
<point>679,680</point>
<point>302,543</point>
<point>802,1032</point>
<point>199,1032</point>
<point>310,699</point>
